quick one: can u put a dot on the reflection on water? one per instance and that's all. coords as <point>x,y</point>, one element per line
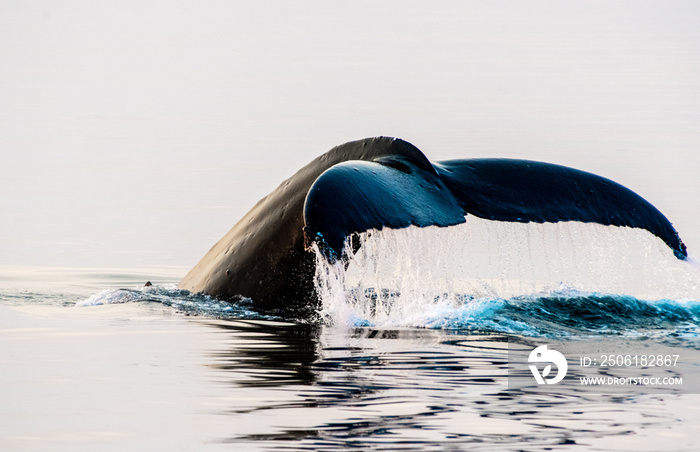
<point>151,371</point>
<point>243,381</point>
<point>267,353</point>
<point>413,389</point>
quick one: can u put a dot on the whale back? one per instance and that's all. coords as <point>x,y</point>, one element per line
<point>262,257</point>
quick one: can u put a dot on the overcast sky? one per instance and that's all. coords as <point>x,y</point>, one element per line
<point>137,133</point>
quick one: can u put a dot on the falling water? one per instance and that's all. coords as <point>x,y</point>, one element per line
<point>413,276</point>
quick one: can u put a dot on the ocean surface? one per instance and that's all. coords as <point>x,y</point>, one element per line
<point>400,355</point>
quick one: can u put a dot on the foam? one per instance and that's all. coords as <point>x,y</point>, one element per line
<point>426,276</point>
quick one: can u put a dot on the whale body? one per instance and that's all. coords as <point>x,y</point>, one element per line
<point>387,182</point>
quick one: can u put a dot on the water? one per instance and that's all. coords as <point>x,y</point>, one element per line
<point>98,360</point>
<point>535,279</point>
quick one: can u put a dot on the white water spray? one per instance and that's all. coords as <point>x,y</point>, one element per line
<point>410,276</point>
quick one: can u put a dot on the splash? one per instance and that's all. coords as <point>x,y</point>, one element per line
<point>471,275</point>
<point>180,300</point>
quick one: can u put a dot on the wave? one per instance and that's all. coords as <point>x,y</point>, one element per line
<point>566,313</point>
<point>536,280</point>
<point>182,301</point>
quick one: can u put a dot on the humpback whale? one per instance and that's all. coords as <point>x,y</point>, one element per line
<point>387,182</point>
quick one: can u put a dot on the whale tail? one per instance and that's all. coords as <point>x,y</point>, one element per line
<point>386,182</point>
<point>398,191</point>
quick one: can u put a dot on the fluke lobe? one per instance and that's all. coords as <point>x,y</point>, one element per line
<point>387,182</point>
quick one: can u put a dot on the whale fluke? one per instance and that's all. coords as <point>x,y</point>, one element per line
<point>387,182</point>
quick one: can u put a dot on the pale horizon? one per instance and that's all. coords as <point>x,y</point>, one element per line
<point>137,134</point>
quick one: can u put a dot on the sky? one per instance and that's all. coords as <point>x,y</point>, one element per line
<point>135,134</point>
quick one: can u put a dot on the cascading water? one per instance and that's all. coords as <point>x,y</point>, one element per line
<point>467,275</point>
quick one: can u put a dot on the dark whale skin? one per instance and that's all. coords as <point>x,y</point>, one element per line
<point>263,257</point>
<point>387,182</point>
